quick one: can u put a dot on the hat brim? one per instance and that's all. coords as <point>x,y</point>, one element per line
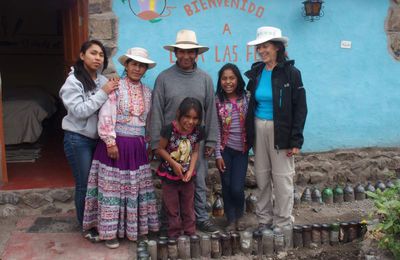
<point>151,64</point>
<point>284,40</point>
<point>186,46</point>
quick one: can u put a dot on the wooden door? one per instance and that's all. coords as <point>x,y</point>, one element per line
<point>75,30</point>
<point>75,19</point>
<point>3,175</point>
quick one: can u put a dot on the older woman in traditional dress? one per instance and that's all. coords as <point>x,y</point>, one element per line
<point>120,200</point>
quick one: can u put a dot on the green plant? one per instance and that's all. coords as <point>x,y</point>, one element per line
<point>387,205</point>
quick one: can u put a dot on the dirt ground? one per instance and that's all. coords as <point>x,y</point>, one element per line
<point>304,214</point>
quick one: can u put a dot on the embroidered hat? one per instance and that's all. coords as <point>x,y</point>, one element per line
<point>137,54</point>
<point>186,39</point>
<point>268,33</point>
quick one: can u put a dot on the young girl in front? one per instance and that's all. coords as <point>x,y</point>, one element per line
<point>178,149</point>
<point>231,150</point>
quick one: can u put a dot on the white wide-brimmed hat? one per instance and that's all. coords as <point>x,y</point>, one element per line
<point>186,39</point>
<point>268,33</point>
<point>137,54</point>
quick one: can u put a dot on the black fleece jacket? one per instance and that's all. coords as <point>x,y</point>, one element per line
<point>289,104</point>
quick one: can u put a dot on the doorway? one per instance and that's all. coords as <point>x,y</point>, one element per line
<point>39,41</point>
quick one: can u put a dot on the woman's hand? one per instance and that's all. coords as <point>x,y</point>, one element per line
<point>178,169</point>
<point>111,85</point>
<point>208,151</point>
<point>112,152</point>
<point>188,175</point>
<point>293,151</point>
<point>220,165</point>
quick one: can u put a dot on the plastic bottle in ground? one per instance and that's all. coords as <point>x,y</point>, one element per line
<point>334,234</point>
<point>306,235</point>
<point>246,242</point>
<point>235,240</point>
<point>338,194</point>
<point>268,242</point>
<point>380,185</point>
<point>316,234</point>
<point>287,231</point>
<point>297,236</point>
<point>195,251</point>
<point>172,249</point>
<point>279,240</point>
<point>184,247</point>
<point>306,196</point>
<point>369,187</point>
<point>325,228</point>
<point>327,195</point>
<point>216,251</point>
<point>152,248</point>
<point>353,226</point>
<point>257,244</point>
<point>205,246</point>
<point>226,244</point>
<point>348,193</point>
<point>359,192</point>
<point>344,232</point>
<point>162,249</point>
<point>316,196</point>
<point>389,184</point>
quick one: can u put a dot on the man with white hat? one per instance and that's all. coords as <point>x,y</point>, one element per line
<point>181,80</point>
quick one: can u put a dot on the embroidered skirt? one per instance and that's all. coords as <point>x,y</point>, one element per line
<point>120,199</point>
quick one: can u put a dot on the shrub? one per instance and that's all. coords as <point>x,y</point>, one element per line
<point>387,205</point>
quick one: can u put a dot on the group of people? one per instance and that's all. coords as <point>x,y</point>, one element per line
<point>182,121</point>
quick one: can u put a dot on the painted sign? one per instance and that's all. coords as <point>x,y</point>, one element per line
<point>351,93</point>
<point>219,24</point>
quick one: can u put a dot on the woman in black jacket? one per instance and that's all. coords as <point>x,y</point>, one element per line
<point>274,125</point>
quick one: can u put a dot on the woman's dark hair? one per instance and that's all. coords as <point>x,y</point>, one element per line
<point>281,55</point>
<point>190,103</point>
<point>79,69</point>
<point>240,82</point>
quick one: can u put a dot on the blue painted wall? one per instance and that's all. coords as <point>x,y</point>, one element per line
<point>353,94</point>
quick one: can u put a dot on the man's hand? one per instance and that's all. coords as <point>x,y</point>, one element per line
<point>208,151</point>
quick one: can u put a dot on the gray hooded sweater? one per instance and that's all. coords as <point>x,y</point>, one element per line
<point>81,106</point>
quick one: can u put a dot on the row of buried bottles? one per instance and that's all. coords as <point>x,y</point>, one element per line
<point>267,242</point>
<point>339,194</point>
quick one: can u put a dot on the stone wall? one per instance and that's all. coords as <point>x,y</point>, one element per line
<point>103,26</point>
<point>312,169</point>
<point>392,27</point>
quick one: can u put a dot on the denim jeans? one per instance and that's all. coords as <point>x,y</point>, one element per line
<point>233,181</point>
<point>79,151</point>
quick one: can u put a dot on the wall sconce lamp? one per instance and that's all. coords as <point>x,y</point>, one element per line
<point>312,10</point>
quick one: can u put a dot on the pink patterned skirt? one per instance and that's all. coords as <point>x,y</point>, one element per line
<point>120,199</point>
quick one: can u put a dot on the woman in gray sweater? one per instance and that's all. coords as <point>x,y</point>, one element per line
<point>83,93</point>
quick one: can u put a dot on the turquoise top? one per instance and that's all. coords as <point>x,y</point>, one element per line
<point>264,109</point>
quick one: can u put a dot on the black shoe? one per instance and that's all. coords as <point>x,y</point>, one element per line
<point>92,235</point>
<point>207,226</point>
<point>113,243</point>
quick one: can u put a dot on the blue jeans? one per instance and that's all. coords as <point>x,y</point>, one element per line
<point>233,180</point>
<point>79,151</point>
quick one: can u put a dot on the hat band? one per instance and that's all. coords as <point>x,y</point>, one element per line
<point>187,42</point>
